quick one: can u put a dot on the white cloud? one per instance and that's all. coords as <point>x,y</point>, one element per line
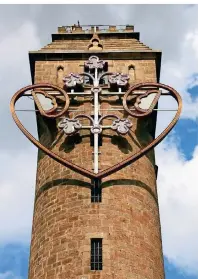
<point>178,195</point>
<point>17,182</point>
<point>15,73</point>
<point>177,178</point>
<point>14,66</point>
<point>176,33</point>
<point>18,168</point>
<point>181,73</point>
<point>174,30</point>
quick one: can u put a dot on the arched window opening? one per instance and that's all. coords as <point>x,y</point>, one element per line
<point>60,75</point>
<point>131,73</point>
<point>95,43</point>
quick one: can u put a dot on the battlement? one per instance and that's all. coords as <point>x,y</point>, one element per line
<point>90,29</point>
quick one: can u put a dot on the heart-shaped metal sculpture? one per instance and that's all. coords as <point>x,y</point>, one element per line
<point>135,111</point>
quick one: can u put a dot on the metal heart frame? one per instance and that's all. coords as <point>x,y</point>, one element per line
<point>138,113</point>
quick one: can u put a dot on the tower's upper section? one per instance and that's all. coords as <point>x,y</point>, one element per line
<point>96,38</point>
<point>108,42</point>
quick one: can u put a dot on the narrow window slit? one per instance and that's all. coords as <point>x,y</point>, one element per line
<point>131,72</point>
<point>60,75</point>
<point>156,171</point>
<point>96,191</point>
<point>96,254</point>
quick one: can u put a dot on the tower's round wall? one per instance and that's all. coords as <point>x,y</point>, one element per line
<point>127,219</point>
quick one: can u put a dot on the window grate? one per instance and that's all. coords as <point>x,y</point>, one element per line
<point>96,254</point>
<point>96,191</point>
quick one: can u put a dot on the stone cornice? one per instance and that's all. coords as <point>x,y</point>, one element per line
<point>48,55</point>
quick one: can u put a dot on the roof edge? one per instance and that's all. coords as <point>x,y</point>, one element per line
<point>85,36</point>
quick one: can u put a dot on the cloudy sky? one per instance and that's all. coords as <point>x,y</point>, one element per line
<point>170,28</point>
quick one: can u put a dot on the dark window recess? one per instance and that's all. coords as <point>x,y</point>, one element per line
<point>92,139</point>
<point>103,81</point>
<point>87,80</point>
<point>96,254</point>
<point>92,136</point>
<point>96,191</point>
<point>156,171</point>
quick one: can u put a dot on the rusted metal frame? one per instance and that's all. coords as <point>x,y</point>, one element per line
<point>102,93</point>
<point>51,154</point>
<point>141,112</point>
<point>53,100</point>
<point>117,166</point>
<point>114,109</point>
<point>155,142</point>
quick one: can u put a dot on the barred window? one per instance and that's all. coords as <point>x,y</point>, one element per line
<point>96,254</point>
<point>96,191</point>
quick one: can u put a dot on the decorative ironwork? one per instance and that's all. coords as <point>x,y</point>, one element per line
<point>35,94</point>
<point>70,126</point>
<point>121,126</point>
<point>72,80</point>
<point>119,79</point>
<point>135,95</point>
<point>96,129</point>
<point>94,63</point>
<point>135,110</point>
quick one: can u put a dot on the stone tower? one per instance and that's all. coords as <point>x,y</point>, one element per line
<point>82,230</point>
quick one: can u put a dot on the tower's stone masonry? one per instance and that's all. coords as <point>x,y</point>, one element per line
<point>65,219</point>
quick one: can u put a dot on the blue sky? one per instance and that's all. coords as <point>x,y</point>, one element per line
<point>14,258</point>
<point>188,138</point>
<point>186,131</point>
<point>27,27</point>
<point>171,272</point>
